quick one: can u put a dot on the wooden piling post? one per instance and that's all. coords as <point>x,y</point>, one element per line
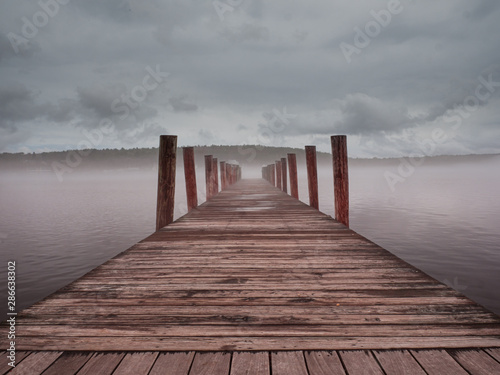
<point>215,177</point>
<point>278,174</point>
<point>340,178</point>
<point>228,174</point>
<point>292,169</point>
<point>190,177</point>
<point>273,174</point>
<point>166,180</point>
<point>312,176</point>
<point>208,175</point>
<point>222,175</point>
<point>283,176</point>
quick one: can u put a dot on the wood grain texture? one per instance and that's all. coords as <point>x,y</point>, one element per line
<point>177,363</point>
<point>138,363</point>
<point>35,363</point>
<point>68,363</point>
<point>360,362</point>
<point>476,361</point>
<point>340,178</point>
<point>324,363</point>
<point>211,363</point>
<point>438,362</point>
<point>250,363</point>
<point>312,176</point>
<point>166,180</point>
<point>255,269</point>
<point>102,364</point>
<point>288,363</point>
<point>353,362</point>
<point>396,362</point>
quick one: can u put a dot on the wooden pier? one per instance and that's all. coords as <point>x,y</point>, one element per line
<point>254,281</point>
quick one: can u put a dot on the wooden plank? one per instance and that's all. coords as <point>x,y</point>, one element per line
<point>494,352</point>
<point>173,363</point>
<point>476,361</point>
<point>437,362</point>
<point>360,362</point>
<point>396,362</point>
<point>136,363</point>
<point>4,361</point>
<point>241,329</point>
<point>288,363</point>
<point>324,363</point>
<point>211,363</point>
<point>254,363</point>
<point>35,363</point>
<point>68,363</point>
<point>102,363</point>
<point>107,343</point>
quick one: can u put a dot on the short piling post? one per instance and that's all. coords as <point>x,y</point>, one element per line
<point>215,177</point>
<point>166,180</point>
<point>340,178</point>
<point>273,174</point>
<point>278,174</point>
<point>228,174</point>
<point>292,171</point>
<point>208,175</point>
<point>283,176</point>
<point>312,176</point>
<point>190,177</point>
<point>223,175</point>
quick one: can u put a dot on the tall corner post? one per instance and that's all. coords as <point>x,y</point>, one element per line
<point>340,178</point>
<point>166,180</point>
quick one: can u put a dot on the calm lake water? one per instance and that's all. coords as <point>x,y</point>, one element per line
<point>444,219</point>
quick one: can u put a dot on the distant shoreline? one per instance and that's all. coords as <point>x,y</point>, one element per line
<point>146,158</point>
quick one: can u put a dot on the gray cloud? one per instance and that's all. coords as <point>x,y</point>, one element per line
<point>181,104</point>
<point>261,56</point>
<point>246,33</point>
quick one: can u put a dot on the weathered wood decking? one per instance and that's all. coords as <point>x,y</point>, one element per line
<point>255,269</point>
<point>339,362</point>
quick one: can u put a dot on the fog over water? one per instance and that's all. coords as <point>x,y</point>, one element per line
<point>443,219</point>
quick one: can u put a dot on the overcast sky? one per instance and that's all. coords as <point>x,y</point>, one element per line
<point>398,77</point>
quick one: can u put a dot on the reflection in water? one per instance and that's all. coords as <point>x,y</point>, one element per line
<point>444,220</point>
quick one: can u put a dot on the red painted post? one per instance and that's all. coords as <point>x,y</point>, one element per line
<point>278,174</point>
<point>190,177</point>
<point>233,174</point>
<point>228,174</point>
<point>283,175</point>
<point>292,169</point>
<point>215,177</point>
<point>312,176</point>
<point>223,175</point>
<point>166,180</point>
<point>208,176</point>
<point>340,178</point>
<point>273,174</point>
